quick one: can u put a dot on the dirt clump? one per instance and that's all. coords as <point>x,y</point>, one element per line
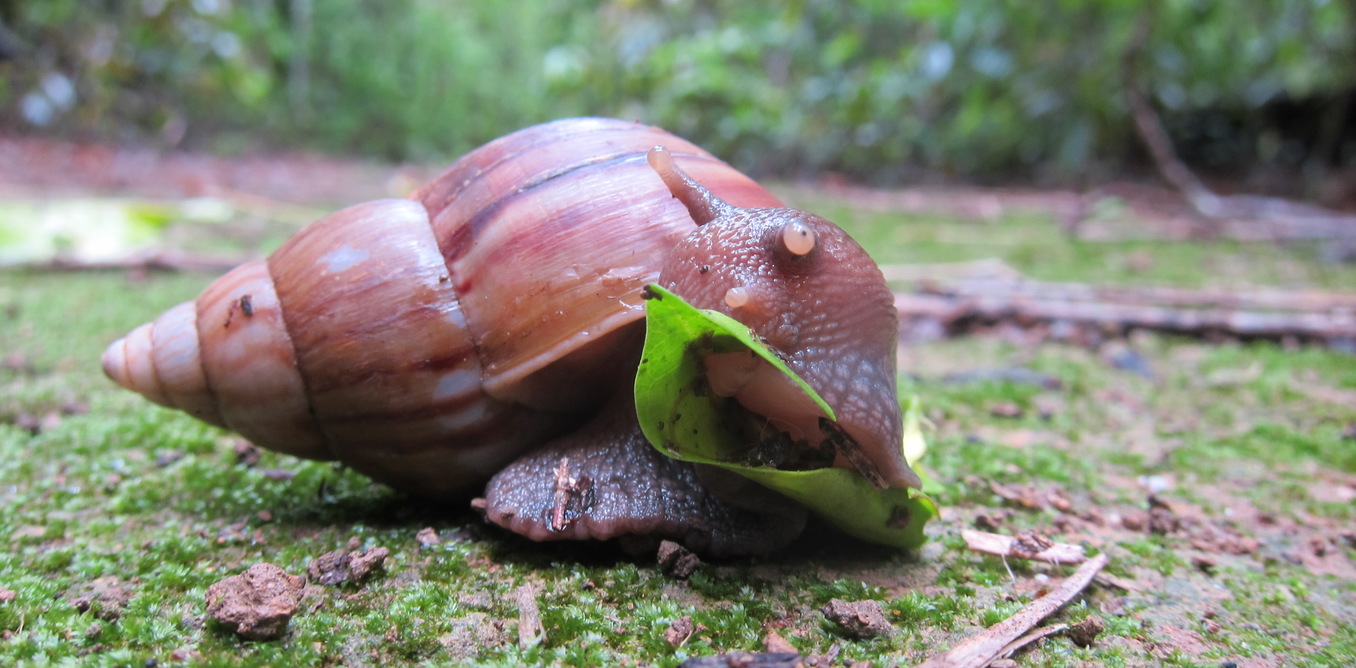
<point>681,630</point>
<point>257,604</point>
<point>342,566</point>
<point>1085,632</point>
<point>677,561</point>
<point>860,619</point>
<point>427,537</point>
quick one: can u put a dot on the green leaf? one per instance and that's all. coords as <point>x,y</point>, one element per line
<point>683,419</point>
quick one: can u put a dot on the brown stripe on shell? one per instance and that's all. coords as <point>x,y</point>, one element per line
<point>542,271</point>
<point>527,158</point>
<point>531,154</point>
<point>618,180</point>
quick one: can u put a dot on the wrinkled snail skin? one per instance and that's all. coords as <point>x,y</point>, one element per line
<point>430,342</point>
<point>808,289</point>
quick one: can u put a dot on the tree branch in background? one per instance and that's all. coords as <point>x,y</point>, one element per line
<point>1282,218</point>
<point>299,63</point>
<point>1153,133</point>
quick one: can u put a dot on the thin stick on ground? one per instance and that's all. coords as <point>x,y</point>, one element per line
<point>981,649</point>
<point>1258,299</point>
<point>1039,634</point>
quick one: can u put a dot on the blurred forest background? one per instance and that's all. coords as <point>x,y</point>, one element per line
<point>879,91</point>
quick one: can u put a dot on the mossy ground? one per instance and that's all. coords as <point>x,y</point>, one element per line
<point>1247,446</point>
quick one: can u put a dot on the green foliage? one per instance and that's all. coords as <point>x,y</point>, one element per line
<point>870,89</point>
<point>149,65</point>
<point>421,77</point>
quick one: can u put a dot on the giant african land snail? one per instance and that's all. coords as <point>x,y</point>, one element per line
<point>487,328</point>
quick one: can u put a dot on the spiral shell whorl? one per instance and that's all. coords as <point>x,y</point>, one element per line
<point>424,342</point>
<point>225,359</point>
<point>159,360</point>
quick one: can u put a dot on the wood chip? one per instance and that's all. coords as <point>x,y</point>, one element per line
<point>775,644</point>
<point>1028,545</point>
<point>530,630</point>
<point>573,498</point>
<point>980,650</point>
<point>1023,496</point>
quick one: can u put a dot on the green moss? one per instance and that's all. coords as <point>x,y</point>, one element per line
<point>1276,446</point>
<point>913,610</point>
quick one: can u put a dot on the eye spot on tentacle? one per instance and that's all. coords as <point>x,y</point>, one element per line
<point>736,297</point>
<point>798,238</point>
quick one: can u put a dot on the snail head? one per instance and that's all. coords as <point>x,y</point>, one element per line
<point>809,290</point>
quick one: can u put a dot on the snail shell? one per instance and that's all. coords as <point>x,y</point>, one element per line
<point>424,342</point>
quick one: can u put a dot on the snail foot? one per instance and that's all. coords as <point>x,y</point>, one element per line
<point>606,482</point>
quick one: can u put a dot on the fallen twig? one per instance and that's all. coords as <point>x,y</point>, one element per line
<point>1023,547</point>
<point>1271,314</point>
<point>269,208</point>
<point>1039,634</point>
<point>148,262</point>
<point>979,650</point>
<point>1260,299</point>
<point>986,268</point>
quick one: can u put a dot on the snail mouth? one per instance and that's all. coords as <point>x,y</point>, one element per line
<point>765,391</point>
<point>788,430</point>
<point>879,459</point>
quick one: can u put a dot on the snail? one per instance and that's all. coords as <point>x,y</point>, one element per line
<point>483,333</point>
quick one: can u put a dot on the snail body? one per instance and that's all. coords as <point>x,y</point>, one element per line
<point>490,324</point>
